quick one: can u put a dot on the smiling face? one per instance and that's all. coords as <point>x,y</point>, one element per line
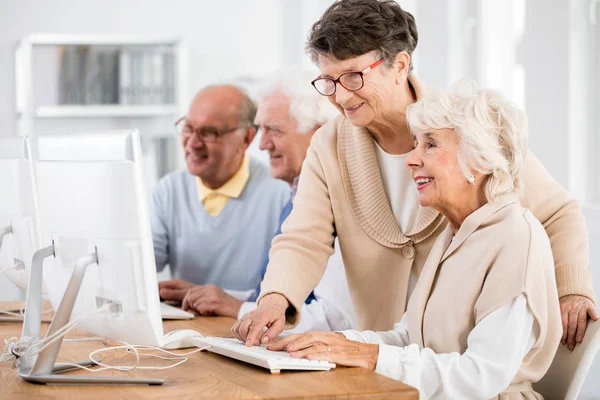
<point>436,172</point>
<point>215,163</point>
<point>280,137</point>
<point>374,100</point>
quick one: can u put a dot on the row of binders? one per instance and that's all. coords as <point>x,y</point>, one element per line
<point>107,75</point>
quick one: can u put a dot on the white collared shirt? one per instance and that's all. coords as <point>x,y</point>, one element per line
<point>495,350</point>
<point>333,309</point>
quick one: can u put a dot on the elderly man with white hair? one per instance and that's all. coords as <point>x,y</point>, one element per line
<point>289,113</point>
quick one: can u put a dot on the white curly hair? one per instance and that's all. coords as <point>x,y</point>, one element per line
<point>491,131</point>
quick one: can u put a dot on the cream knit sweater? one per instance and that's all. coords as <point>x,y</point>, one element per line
<point>341,193</point>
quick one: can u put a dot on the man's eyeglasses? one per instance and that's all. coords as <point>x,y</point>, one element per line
<point>207,134</point>
<point>351,81</point>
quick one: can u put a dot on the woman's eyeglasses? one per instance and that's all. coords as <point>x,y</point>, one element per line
<point>351,81</point>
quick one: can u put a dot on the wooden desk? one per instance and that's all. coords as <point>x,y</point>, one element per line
<point>204,376</point>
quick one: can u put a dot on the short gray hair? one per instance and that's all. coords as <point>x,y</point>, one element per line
<point>351,28</point>
<point>307,106</point>
<point>247,111</point>
<point>492,132</point>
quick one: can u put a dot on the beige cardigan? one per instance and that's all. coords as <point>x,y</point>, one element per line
<point>499,252</point>
<point>341,193</point>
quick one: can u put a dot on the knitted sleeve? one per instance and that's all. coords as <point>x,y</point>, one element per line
<point>299,255</point>
<point>565,225</point>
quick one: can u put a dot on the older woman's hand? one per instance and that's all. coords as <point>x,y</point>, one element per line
<point>574,310</point>
<point>270,313</point>
<point>329,346</point>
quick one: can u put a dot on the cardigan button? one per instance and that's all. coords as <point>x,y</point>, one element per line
<point>408,251</point>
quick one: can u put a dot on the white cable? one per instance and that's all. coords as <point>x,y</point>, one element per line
<point>21,312</point>
<point>136,350</point>
<point>18,347</point>
<point>69,327</point>
<point>11,313</point>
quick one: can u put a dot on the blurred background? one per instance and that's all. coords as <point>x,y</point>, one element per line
<point>80,66</point>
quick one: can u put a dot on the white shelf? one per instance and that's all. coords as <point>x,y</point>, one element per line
<point>53,39</point>
<point>91,111</point>
<point>27,111</point>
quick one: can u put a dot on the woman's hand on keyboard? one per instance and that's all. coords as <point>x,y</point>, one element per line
<point>328,346</point>
<point>270,313</point>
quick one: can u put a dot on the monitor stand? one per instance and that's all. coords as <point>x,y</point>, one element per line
<point>7,230</point>
<point>43,368</point>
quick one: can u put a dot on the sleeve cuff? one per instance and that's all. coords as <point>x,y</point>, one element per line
<point>246,307</point>
<point>400,363</point>
<point>353,335</point>
<point>243,295</point>
<point>575,280</point>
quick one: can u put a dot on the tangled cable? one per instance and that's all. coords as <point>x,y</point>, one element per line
<point>15,347</point>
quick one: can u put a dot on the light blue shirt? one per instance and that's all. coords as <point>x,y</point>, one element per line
<point>228,249</point>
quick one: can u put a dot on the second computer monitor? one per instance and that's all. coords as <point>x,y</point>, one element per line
<point>18,221</point>
<point>93,201</point>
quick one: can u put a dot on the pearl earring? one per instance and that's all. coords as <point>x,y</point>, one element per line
<point>471,179</point>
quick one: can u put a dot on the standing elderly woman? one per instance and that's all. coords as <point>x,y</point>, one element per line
<point>484,317</point>
<point>354,186</point>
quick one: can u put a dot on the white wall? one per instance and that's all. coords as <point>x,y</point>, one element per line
<point>226,38</point>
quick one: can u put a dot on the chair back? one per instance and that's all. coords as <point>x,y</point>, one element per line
<point>566,375</point>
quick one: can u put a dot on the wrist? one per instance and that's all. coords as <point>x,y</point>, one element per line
<point>373,356</point>
<point>275,299</point>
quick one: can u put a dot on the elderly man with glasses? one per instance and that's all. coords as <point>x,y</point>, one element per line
<point>213,223</point>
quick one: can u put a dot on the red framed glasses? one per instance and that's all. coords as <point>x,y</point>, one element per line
<point>351,81</point>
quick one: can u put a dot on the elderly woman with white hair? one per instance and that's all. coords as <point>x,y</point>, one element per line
<point>484,318</point>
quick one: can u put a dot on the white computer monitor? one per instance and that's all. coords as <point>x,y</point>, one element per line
<point>18,207</point>
<point>92,200</point>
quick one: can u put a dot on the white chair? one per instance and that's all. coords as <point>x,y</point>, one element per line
<point>569,369</point>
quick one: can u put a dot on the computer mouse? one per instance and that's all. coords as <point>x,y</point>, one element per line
<point>179,339</point>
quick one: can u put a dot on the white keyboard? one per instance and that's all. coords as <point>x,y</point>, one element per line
<point>167,311</point>
<point>259,355</point>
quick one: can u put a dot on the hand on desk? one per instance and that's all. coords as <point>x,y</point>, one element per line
<point>270,313</point>
<point>574,311</point>
<point>211,300</point>
<point>328,346</point>
<point>174,289</point>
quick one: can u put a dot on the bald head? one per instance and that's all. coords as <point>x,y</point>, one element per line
<point>228,111</point>
<point>226,102</point>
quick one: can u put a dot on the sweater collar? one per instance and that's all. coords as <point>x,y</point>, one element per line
<point>476,219</point>
<point>364,187</point>
<point>232,188</point>
<point>443,248</point>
